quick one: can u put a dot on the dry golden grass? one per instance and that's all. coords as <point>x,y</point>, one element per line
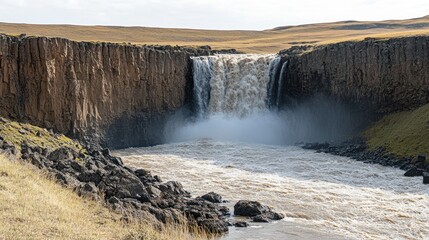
<point>34,207</point>
<point>268,41</point>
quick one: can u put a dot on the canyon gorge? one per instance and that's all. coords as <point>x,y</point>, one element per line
<point>122,95</point>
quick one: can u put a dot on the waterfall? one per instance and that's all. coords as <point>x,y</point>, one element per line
<point>202,73</point>
<point>237,98</point>
<point>236,84</point>
<point>280,83</point>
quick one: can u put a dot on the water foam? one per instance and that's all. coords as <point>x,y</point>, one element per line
<point>319,193</point>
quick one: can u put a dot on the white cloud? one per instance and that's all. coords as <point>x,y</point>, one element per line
<point>211,14</point>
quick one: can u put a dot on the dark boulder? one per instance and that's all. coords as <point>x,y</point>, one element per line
<point>212,197</point>
<point>214,225</point>
<point>105,152</point>
<point>249,208</point>
<point>426,178</point>
<point>145,176</point>
<point>316,146</point>
<point>173,188</point>
<point>62,153</point>
<point>421,159</point>
<point>273,215</point>
<point>266,217</point>
<point>258,212</point>
<point>223,210</point>
<point>241,224</point>
<point>89,176</point>
<point>123,184</point>
<point>261,218</point>
<point>413,172</point>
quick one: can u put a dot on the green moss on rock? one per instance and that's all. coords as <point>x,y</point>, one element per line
<point>16,133</point>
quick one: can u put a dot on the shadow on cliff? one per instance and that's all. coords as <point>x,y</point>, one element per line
<point>318,119</point>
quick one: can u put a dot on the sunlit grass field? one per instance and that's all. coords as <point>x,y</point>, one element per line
<point>267,41</point>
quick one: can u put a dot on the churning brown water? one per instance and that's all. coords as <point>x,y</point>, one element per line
<point>323,196</point>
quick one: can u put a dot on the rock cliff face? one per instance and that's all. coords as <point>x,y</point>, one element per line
<point>102,89</point>
<point>383,75</point>
<point>121,95</point>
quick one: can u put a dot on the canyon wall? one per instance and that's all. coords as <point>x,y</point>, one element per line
<point>381,75</point>
<point>119,94</point>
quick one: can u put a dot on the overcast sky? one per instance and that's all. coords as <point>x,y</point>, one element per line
<point>207,14</point>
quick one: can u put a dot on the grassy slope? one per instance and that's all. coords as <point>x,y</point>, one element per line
<point>15,133</point>
<point>34,207</point>
<point>404,133</point>
<point>268,41</point>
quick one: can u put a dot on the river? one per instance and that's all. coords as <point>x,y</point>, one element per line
<point>322,196</point>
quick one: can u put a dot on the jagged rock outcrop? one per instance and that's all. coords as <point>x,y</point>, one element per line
<point>381,75</point>
<point>97,89</point>
<point>133,192</point>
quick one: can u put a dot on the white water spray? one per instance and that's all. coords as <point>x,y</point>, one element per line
<point>235,85</point>
<point>237,98</point>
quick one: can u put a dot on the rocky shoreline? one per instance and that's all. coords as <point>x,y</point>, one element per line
<point>357,149</point>
<point>94,173</point>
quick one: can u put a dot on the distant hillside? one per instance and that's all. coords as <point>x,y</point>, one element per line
<point>268,41</point>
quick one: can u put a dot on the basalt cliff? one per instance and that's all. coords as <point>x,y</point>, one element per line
<point>380,75</point>
<point>121,95</point>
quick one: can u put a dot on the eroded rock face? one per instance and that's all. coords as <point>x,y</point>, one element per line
<point>384,75</point>
<point>81,88</point>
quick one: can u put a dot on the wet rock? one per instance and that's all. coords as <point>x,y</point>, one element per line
<point>266,217</point>
<point>255,210</point>
<point>426,178</point>
<point>260,218</point>
<point>249,208</point>
<point>212,197</point>
<point>224,210</point>
<point>273,215</point>
<point>413,172</point>
<point>316,146</point>
<point>241,224</point>
<point>421,159</point>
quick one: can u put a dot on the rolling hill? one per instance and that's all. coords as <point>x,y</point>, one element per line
<point>267,41</point>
